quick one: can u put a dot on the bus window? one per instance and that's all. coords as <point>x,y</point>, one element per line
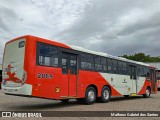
<point>109,63</point>
<point>124,68</point>
<point>53,52</point>
<point>119,68</point>
<point>47,55</point>
<point>98,66</point>
<point>44,55</point>
<point>104,64</point>
<point>90,62</point>
<point>114,66</point>
<point>83,61</point>
<point>21,44</point>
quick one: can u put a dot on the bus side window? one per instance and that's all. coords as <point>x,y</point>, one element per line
<point>109,63</point>
<point>140,71</point>
<point>47,55</point>
<point>53,52</point>
<point>98,66</point>
<point>104,64</point>
<point>83,61</point>
<point>119,68</point>
<point>44,55</point>
<point>124,68</point>
<point>90,62</point>
<point>114,66</point>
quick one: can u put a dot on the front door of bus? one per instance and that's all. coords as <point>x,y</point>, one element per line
<point>69,75</point>
<point>133,77</point>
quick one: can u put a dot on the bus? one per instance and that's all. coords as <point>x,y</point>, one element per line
<point>158,79</point>
<point>37,67</point>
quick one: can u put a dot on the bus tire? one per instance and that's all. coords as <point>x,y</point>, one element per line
<point>148,93</point>
<point>90,96</point>
<point>65,100</point>
<point>105,94</point>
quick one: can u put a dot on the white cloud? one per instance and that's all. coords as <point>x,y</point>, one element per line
<point>116,27</point>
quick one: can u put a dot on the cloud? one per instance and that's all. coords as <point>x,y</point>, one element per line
<point>115,27</point>
<point>118,27</point>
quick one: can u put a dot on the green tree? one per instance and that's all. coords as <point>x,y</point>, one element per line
<point>141,57</point>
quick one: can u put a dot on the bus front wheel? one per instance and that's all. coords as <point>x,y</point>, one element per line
<point>90,96</point>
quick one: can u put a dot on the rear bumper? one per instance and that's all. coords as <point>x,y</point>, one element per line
<point>26,89</point>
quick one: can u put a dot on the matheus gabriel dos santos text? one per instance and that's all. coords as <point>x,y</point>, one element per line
<point>136,114</point>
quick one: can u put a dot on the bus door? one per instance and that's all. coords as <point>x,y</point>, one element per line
<point>69,75</point>
<point>153,80</point>
<point>133,77</point>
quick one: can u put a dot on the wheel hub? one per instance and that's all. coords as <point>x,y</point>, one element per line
<point>91,95</point>
<point>106,94</point>
<point>147,92</point>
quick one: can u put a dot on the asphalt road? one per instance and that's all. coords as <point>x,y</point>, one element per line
<point>138,103</point>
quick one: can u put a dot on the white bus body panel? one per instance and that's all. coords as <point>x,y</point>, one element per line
<point>123,84</point>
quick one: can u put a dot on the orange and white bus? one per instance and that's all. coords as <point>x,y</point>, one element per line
<point>158,79</point>
<point>37,67</point>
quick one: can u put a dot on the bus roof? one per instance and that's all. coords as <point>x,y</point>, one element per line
<point>106,55</point>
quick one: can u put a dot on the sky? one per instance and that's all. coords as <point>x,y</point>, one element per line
<point>116,27</point>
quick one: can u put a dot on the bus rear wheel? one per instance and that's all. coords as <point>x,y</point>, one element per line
<point>105,94</point>
<point>90,96</point>
<point>148,93</point>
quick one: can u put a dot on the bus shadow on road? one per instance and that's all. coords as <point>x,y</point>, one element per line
<point>116,99</point>
<point>43,106</point>
<point>58,105</point>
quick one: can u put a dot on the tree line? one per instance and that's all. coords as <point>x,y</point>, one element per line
<point>141,57</point>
